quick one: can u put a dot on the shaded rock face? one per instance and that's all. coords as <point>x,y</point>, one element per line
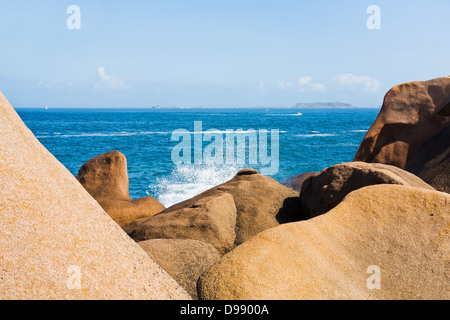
<point>407,119</point>
<point>432,161</point>
<point>444,109</point>
<point>105,177</point>
<point>324,191</point>
<point>403,231</point>
<point>56,242</point>
<point>211,220</point>
<point>184,260</point>
<point>261,203</point>
<point>296,182</point>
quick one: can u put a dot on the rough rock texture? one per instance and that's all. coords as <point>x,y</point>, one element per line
<point>296,182</point>
<point>105,177</point>
<point>407,119</point>
<point>432,161</point>
<point>184,260</point>
<point>324,191</point>
<point>125,212</point>
<point>261,203</point>
<point>402,230</point>
<point>210,220</point>
<point>51,228</point>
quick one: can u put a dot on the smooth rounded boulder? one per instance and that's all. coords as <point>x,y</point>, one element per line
<point>406,120</point>
<point>261,203</point>
<point>322,192</point>
<point>105,177</point>
<point>125,212</point>
<point>56,242</point>
<point>184,260</point>
<point>296,182</point>
<point>384,242</point>
<point>211,220</point>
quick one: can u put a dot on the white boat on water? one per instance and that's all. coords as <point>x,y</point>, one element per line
<point>46,108</point>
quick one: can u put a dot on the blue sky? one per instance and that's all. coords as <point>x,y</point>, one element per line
<point>217,53</point>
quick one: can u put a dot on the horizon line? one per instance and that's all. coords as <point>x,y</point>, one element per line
<point>198,107</point>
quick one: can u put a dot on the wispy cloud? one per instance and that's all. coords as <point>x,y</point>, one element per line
<point>351,81</point>
<point>304,84</point>
<point>261,86</point>
<point>108,82</point>
<point>284,85</point>
<point>45,84</point>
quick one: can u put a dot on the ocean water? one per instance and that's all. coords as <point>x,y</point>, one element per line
<point>309,141</point>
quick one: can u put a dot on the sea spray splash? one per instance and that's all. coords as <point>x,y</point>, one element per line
<point>204,159</point>
<point>234,147</point>
<point>187,181</point>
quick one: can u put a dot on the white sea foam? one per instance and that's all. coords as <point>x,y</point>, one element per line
<point>238,131</point>
<point>187,181</point>
<point>313,135</point>
<point>106,134</point>
<point>286,114</point>
<point>143,133</point>
<point>356,131</point>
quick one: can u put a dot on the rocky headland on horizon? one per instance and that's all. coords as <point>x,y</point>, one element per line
<point>318,235</point>
<point>329,105</point>
<point>300,105</point>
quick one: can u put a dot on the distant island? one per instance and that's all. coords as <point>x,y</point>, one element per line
<point>300,105</point>
<point>336,104</point>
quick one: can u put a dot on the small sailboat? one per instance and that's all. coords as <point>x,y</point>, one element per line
<point>46,107</point>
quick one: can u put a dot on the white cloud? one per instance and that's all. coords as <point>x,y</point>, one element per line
<point>107,81</point>
<point>261,86</point>
<point>318,87</point>
<point>304,81</point>
<point>283,85</point>
<point>305,84</point>
<point>349,80</point>
<point>45,84</point>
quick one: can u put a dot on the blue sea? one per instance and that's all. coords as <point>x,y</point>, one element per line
<point>309,141</point>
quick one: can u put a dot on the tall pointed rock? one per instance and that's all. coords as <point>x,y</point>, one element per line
<point>56,242</point>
